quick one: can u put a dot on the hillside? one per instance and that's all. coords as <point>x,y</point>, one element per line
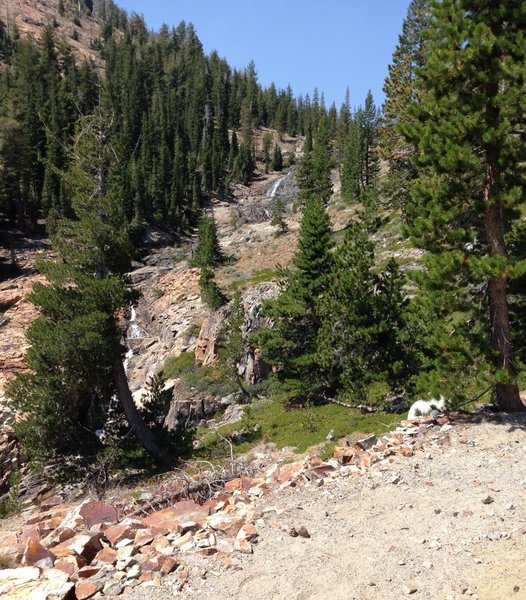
<point>218,301</point>
<point>77,28</point>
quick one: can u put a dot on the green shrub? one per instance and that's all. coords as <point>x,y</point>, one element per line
<point>176,366</point>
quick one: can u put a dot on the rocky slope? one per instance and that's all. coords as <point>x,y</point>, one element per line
<point>33,16</point>
<point>435,509</point>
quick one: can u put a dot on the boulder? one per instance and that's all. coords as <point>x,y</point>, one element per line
<point>87,588</point>
<point>36,555</point>
<point>229,524</point>
<point>85,545</point>
<point>169,519</point>
<point>89,513</point>
<point>32,583</point>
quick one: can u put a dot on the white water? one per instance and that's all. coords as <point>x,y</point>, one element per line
<point>271,192</point>
<point>126,361</point>
<point>101,433</point>
<point>134,331</point>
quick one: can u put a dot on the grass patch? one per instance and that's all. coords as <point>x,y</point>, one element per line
<point>299,427</point>
<point>175,367</point>
<point>210,380</point>
<point>259,276</point>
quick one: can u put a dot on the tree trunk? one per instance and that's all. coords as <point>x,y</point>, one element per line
<point>143,433</point>
<point>508,398</point>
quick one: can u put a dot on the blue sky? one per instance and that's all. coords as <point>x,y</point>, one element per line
<point>329,44</point>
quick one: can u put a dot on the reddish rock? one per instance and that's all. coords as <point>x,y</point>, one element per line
<point>288,472</point>
<point>211,504</point>
<point>243,483</point>
<point>36,555</point>
<point>38,518</point>
<point>84,544</point>
<point>160,544</point>
<point>94,512</point>
<point>345,455</point>
<point>207,551</point>
<point>59,535</point>
<point>70,564</point>
<point>32,532</point>
<point>89,513</point>
<point>243,546</point>
<point>143,537</point>
<point>87,572</point>
<point>169,564</point>
<point>51,502</point>
<point>107,555</point>
<point>145,577</point>
<point>247,532</point>
<point>229,524</point>
<point>182,574</point>
<point>116,533</point>
<point>87,588</point>
<point>168,520</point>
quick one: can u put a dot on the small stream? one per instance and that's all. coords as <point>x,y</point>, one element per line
<point>133,332</point>
<point>271,192</point>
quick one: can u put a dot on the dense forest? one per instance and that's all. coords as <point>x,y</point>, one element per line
<point>179,122</point>
<point>165,127</point>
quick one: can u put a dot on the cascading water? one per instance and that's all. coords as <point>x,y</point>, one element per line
<point>271,192</point>
<point>126,361</point>
<point>134,331</point>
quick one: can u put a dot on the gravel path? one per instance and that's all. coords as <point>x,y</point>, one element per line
<point>446,523</point>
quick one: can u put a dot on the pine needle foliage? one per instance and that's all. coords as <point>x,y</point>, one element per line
<point>464,204</point>
<point>208,252</point>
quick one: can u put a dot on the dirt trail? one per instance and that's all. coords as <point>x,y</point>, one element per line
<point>446,523</point>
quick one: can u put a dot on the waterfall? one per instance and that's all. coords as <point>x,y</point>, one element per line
<point>134,331</point>
<point>126,361</point>
<point>271,192</point>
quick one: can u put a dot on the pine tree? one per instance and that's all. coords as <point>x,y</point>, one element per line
<point>361,339</point>
<point>277,159</point>
<point>342,131</point>
<point>208,252</point>
<point>76,353</point>
<point>290,347</point>
<point>314,173</point>
<point>466,122</point>
<point>234,344</point>
<point>267,142</point>
<point>350,177</point>
<point>400,92</point>
<point>368,119</point>
<point>278,220</point>
<point>211,293</point>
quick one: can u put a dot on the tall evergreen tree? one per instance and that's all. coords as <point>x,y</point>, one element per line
<point>468,126</point>
<point>351,166</point>
<point>400,93</point>
<point>368,119</point>
<point>291,345</point>
<point>76,353</point>
<point>208,252</point>
<point>277,159</point>
<point>314,173</point>
<point>361,339</point>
